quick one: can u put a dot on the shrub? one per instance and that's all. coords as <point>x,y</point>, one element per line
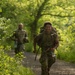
<point>11,66</point>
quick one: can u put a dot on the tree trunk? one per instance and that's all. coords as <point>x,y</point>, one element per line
<point>37,17</point>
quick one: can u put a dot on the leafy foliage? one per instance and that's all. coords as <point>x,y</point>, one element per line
<point>66,49</point>
<point>33,13</point>
<point>11,66</point>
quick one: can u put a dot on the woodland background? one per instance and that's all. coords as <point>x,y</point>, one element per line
<point>33,14</point>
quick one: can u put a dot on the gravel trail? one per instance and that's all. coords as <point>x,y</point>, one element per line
<point>58,68</point>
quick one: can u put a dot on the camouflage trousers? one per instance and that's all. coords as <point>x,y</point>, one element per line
<point>19,48</point>
<point>46,60</point>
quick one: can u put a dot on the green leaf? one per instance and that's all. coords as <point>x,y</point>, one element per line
<point>0,10</point>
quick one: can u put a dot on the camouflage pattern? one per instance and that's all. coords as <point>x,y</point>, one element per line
<point>53,29</point>
<point>46,42</point>
<point>20,37</point>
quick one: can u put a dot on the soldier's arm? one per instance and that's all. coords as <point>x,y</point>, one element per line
<point>36,41</point>
<point>36,38</point>
<point>26,38</point>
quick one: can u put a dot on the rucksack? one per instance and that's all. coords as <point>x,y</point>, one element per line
<point>54,33</point>
<point>53,30</point>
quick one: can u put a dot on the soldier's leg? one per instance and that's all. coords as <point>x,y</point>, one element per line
<point>44,71</point>
<point>18,49</point>
<point>51,61</point>
<point>44,65</point>
<point>21,48</point>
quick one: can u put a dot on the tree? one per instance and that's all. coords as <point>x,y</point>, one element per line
<point>33,13</point>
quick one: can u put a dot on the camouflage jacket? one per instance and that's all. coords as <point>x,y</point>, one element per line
<point>47,40</point>
<point>20,36</point>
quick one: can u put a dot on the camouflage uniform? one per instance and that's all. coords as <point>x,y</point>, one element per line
<point>46,42</point>
<point>20,37</point>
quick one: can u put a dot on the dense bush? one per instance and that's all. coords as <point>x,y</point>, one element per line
<point>9,65</point>
<point>12,66</point>
<point>66,50</point>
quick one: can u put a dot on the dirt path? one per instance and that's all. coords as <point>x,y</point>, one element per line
<point>59,68</point>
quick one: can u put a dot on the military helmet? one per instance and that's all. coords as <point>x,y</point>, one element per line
<point>47,23</point>
<point>21,24</point>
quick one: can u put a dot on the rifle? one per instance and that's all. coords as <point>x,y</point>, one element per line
<point>36,53</point>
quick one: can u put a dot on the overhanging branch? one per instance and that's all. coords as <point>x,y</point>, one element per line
<point>57,15</point>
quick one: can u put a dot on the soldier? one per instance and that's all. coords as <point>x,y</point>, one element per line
<point>48,42</point>
<point>19,37</point>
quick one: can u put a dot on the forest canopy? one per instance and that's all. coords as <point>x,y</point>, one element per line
<point>33,14</point>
